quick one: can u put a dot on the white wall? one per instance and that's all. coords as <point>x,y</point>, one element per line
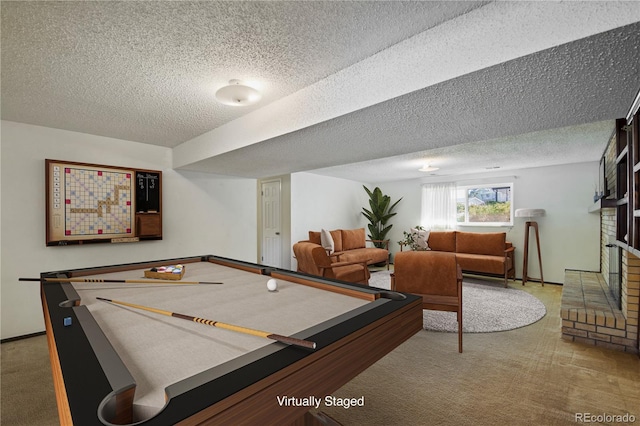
<point>319,202</point>
<point>210,214</point>
<point>202,214</point>
<point>569,235</point>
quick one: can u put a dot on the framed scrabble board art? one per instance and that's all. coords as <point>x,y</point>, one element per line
<point>91,203</point>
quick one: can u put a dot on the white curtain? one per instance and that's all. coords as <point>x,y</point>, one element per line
<point>439,206</point>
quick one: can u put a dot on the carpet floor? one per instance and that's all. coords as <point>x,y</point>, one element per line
<point>487,306</point>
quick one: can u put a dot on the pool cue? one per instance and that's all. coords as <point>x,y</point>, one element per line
<point>236,328</point>
<point>100,280</point>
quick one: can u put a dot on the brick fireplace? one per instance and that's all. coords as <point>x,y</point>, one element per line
<point>590,313</point>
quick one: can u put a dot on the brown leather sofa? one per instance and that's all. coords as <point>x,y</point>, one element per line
<point>485,253</point>
<point>349,246</point>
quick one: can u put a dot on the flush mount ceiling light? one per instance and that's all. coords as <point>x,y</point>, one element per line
<point>428,168</point>
<point>237,94</point>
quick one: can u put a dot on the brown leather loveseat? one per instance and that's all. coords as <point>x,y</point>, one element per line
<point>477,252</point>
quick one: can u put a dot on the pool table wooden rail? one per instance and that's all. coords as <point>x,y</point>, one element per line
<point>247,395</point>
<point>319,374</point>
<point>258,269</point>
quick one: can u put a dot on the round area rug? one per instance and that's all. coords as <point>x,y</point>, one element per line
<point>486,307</point>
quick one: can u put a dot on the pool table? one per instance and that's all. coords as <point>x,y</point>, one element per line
<point>115,364</point>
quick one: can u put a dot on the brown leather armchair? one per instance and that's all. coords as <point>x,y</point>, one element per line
<point>326,266</point>
<point>302,253</point>
<point>436,276</point>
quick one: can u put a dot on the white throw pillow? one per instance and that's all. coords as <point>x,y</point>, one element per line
<point>326,241</point>
<point>420,238</point>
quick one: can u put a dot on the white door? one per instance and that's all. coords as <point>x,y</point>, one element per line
<point>271,238</point>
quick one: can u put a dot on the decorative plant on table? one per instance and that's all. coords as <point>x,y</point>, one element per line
<point>379,215</point>
<point>410,239</point>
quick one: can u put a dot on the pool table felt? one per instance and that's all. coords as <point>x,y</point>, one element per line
<point>160,350</point>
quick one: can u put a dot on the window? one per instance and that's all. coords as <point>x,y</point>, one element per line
<point>439,206</point>
<point>484,205</point>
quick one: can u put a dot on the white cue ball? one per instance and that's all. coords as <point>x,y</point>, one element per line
<point>272,285</point>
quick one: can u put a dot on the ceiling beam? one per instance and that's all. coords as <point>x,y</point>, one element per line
<point>487,36</point>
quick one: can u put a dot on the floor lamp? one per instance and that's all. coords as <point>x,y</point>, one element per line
<point>529,213</point>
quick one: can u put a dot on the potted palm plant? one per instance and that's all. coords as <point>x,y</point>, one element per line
<point>381,210</point>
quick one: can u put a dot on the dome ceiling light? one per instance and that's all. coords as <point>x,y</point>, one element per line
<point>428,168</point>
<point>237,94</point>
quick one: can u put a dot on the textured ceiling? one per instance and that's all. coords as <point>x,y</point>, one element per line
<point>384,85</point>
<point>565,86</point>
<point>567,145</point>
<point>148,71</point>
